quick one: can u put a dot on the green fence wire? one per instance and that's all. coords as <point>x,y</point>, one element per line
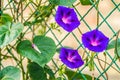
<point>12,6</point>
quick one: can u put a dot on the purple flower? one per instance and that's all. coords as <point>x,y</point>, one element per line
<point>71,58</point>
<point>67,18</point>
<point>95,40</point>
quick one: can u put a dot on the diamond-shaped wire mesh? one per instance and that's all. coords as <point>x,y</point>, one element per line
<point>109,18</point>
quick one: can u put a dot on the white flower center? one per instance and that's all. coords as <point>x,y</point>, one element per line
<point>71,58</point>
<point>94,43</point>
<point>66,20</point>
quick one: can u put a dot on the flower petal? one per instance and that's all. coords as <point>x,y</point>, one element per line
<point>76,60</point>
<point>67,18</point>
<point>101,41</point>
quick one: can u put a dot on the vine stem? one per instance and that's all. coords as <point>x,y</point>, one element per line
<point>102,67</point>
<point>13,15</point>
<point>22,68</point>
<point>97,6</point>
<point>108,64</point>
<point>93,76</point>
<point>85,48</point>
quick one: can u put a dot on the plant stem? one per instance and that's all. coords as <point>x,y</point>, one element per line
<point>74,74</point>
<point>22,68</point>
<point>108,64</point>
<point>93,77</point>
<point>97,7</point>
<point>102,67</point>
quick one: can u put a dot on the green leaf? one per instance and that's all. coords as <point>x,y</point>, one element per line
<point>66,2</point>
<point>86,2</point>
<point>36,72</point>
<point>42,52</point>
<point>5,18</point>
<point>9,32</point>
<point>43,12</point>
<point>26,50</point>
<point>117,46</point>
<point>111,45</point>
<point>10,73</point>
<point>7,78</point>
<point>46,46</point>
<point>60,78</point>
<point>72,75</point>
<point>58,49</point>
<point>118,52</point>
<point>49,72</point>
<point>54,2</point>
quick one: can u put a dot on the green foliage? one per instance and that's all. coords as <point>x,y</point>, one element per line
<point>41,49</point>
<point>46,46</point>
<point>62,2</point>
<point>7,78</point>
<point>36,72</point>
<point>54,2</point>
<point>67,2</point>
<point>90,61</point>
<point>9,32</point>
<point>115,44</point>
<point>5,18</point>
<point>42,30</point>
<point>43,12</point>
<point>10,73</point>
<point>49,72</point>
<point>60,78</point>
<point>86,2</point>
<point>39,73</point>
<point>58,49</point>
<point>117,47</point>
<point>117,52</point>
<point>61,70</point>
<point>41,53</point>
<point>72,75</point>
<point>111,45</point>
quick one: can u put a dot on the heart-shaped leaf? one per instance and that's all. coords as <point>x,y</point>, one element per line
<point>9,32</point>
<point>10,73</point>
<point>36,72</point>
<point>42,52</point>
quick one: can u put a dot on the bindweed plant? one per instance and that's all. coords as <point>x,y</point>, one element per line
<point>29,52</point>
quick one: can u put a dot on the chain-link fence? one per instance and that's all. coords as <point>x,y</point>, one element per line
<point>101,14</point>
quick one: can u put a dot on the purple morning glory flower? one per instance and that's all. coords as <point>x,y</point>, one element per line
<point>67,18</point>
<point>71,58</point>
<point>95,40</point>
